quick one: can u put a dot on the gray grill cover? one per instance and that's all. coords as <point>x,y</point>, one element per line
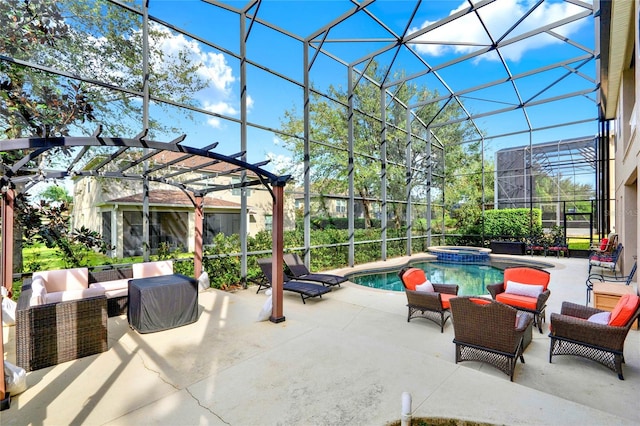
<point>162,302</point>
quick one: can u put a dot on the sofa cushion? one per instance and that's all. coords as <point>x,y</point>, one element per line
<point>120,292</point>
<point>518,301</point>
<point>413,277</point>
<point>64,279</point>
<point>65,296</point>
<point>114,288</point>
<point>112,285</point>
<point>522,289</point>
<point>425,286</point>
<point>152,269</point>
<point>624,310</point>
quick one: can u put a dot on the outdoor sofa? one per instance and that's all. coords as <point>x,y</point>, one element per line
<point>61,315</point>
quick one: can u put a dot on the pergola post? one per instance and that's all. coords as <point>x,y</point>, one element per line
<point>8,198</point>
<point>277,235</point>
<point>198,249</point>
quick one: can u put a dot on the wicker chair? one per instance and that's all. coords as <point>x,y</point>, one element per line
<point>433,306</point>
<point>53,333</point>
<point>571,334</point>
<point>489,331</point>
<point>525,275</point>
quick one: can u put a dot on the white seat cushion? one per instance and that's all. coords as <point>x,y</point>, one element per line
<point>112,285</point>
<point>65,296</point>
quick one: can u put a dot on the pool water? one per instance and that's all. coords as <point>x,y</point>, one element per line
<point>472,278</point>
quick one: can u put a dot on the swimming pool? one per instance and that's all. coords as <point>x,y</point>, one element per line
<point>472,278</point>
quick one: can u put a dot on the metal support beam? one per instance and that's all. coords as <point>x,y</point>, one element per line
<point>199,226</point>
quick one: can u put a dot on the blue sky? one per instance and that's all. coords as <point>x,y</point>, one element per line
<point>270,97</point>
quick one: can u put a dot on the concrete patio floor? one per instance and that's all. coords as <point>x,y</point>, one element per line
<point>344,359</point>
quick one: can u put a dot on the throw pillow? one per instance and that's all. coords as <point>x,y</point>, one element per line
<point>603,244</point>
<point>425,286</point>
<point>600,318</point>
<point>623,310</point>
<point>38,292</point>
<point>413,277</point>
<point>520,289</point>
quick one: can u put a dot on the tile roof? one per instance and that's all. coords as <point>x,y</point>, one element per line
<point>174,198</point>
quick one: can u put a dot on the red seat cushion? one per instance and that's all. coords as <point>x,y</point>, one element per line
<point>623,310</point>
<point>446,297</point>
<point>480,300</point>
<point>518,301</point>
<point>413,277</point>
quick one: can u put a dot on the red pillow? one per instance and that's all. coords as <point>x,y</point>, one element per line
<point>413,277</point>
<point>623,311</point>
<point>480,300</point>
<point>603,243</point>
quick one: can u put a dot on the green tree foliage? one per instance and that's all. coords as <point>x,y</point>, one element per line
<point>96,40</point>
<point>329,147</point>
<point>517,224</point>
<point>49,224</point>
<point>55,193</point>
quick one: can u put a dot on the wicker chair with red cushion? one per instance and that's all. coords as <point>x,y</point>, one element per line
<point>526,289</point>
<point>593,333</point>
<point>491,332</point>
<point>432,305</point>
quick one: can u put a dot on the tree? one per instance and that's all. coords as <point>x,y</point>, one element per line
<point>98,41</point>
<point>95,40</point>
<point>55,193</point>
<point>328,132</point>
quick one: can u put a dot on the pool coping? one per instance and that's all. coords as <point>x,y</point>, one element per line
<point>497,260</point>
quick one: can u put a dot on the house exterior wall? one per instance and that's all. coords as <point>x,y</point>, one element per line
<point>91,199</point>
<point>627,150</point>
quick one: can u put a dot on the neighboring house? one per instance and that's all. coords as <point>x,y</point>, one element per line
<point>333,205</point>
<point>113,207</point>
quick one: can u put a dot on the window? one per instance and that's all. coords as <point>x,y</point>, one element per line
<point>224,223</point>
<point>168,228</point>
<point>106,227</point>
<point>341,206</point>
<point>268,222</point>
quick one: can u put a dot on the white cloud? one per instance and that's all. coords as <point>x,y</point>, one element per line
<point>284,165</point>
<point>214,70</point>
<point>498,18</point>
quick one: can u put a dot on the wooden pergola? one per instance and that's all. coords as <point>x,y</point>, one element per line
<point>115,164</point>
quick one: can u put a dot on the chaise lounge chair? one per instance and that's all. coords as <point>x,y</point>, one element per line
<point>305,289</point>
<point>299,271</point>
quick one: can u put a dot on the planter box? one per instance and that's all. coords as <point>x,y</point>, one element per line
<point>580,254</point>
<point>507,247</point>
